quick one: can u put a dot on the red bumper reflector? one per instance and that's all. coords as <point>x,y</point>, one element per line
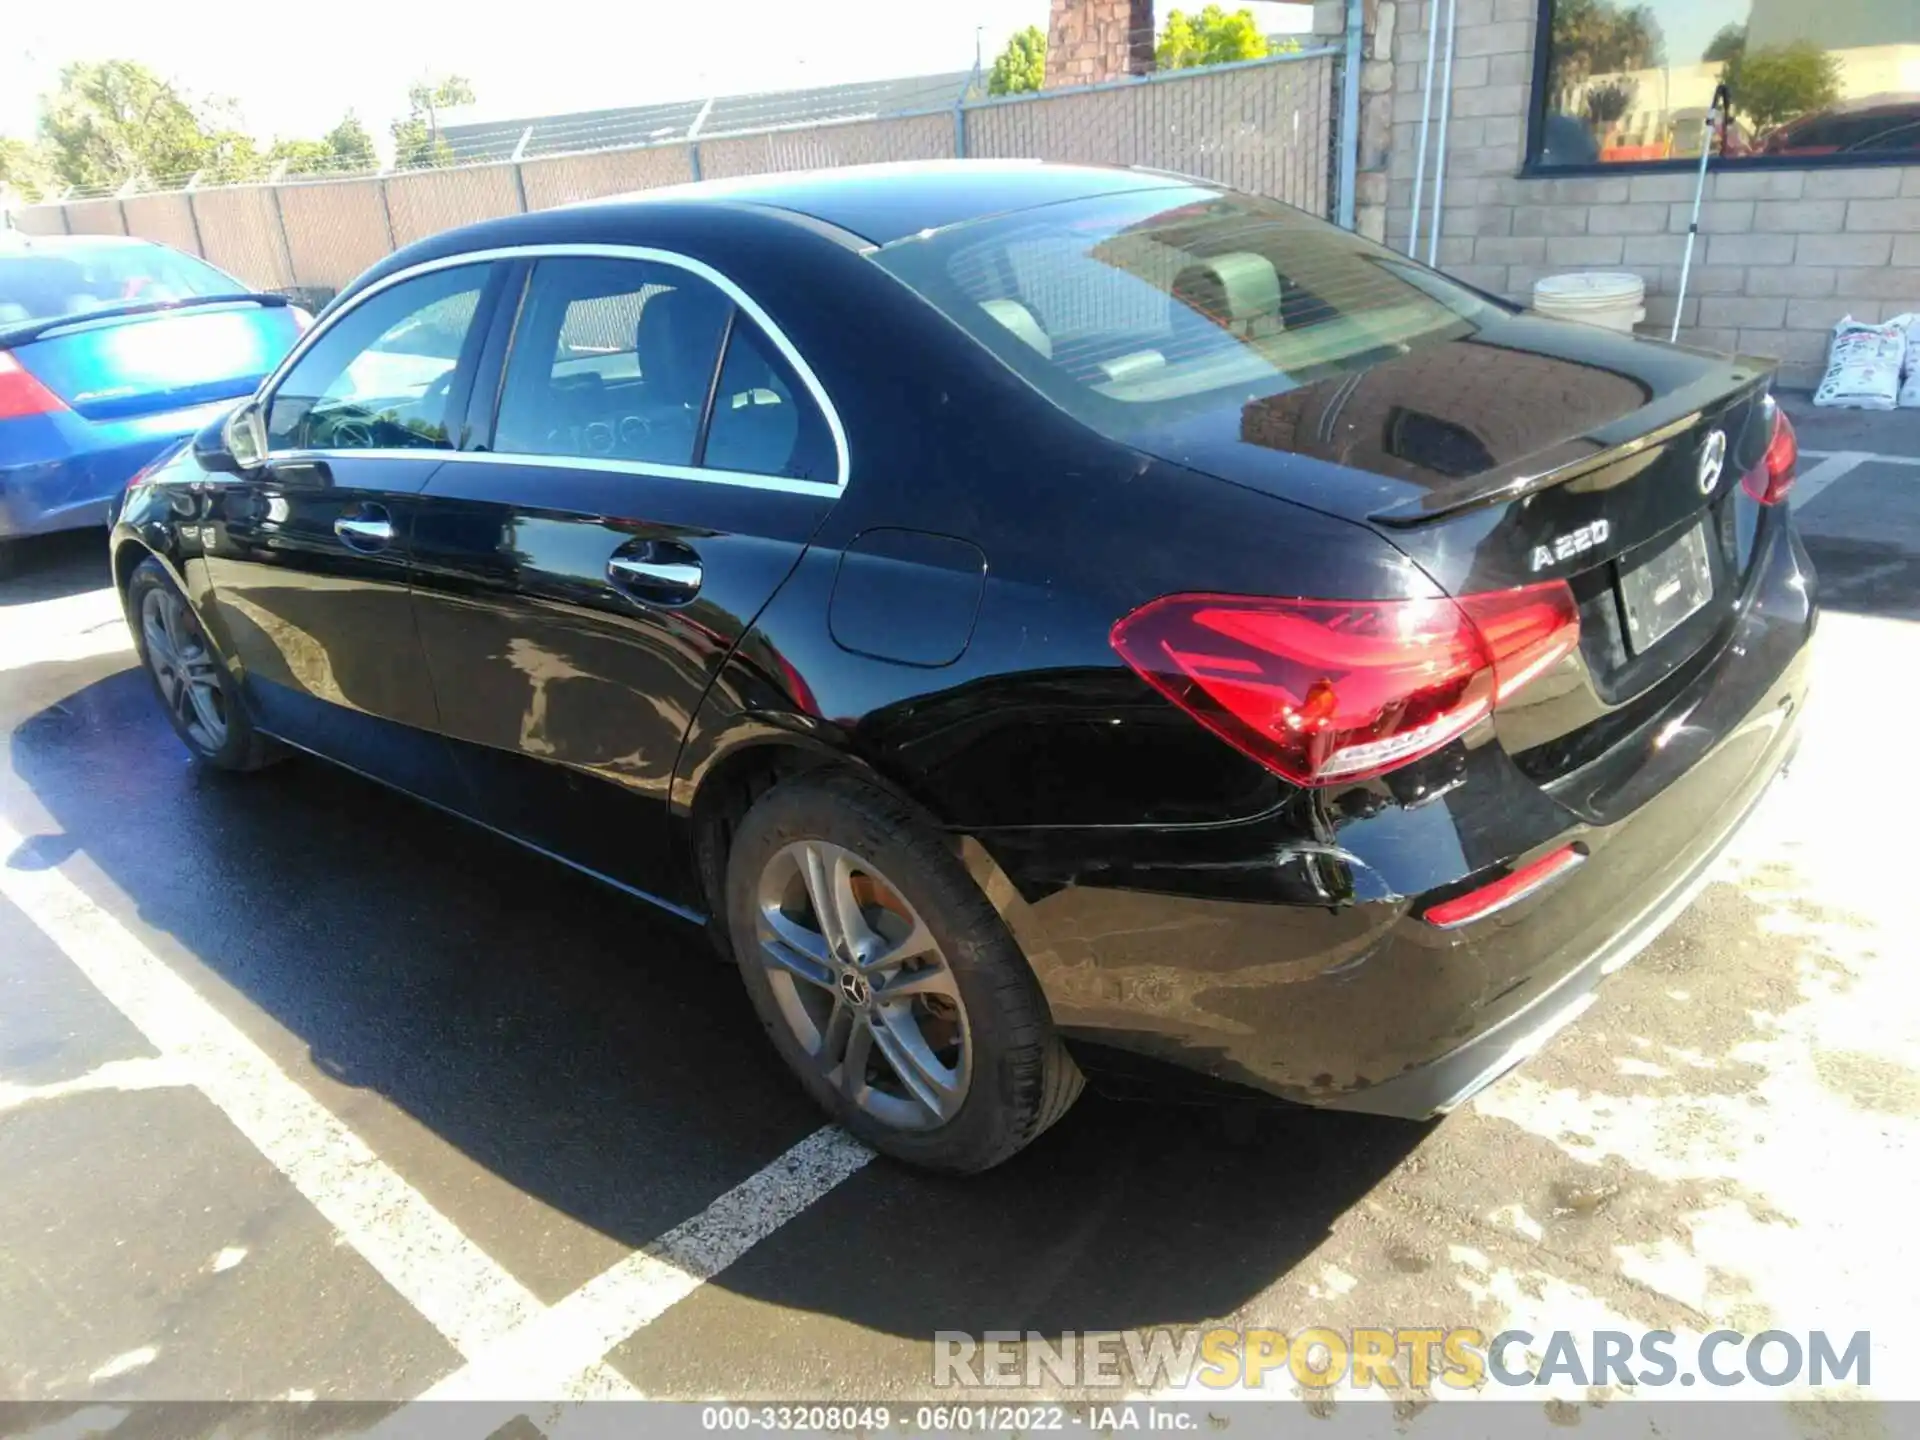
<point>1508,890</point>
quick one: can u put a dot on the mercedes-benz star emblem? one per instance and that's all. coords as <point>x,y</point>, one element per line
<point>854,988</point>
<point>1713,457</point>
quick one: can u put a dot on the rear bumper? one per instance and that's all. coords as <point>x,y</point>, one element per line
<point>1439,1085</point>
<point>64,472</point>
<point>1333,992</point>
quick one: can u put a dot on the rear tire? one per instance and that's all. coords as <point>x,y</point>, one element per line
<point>197,693</point>
<point>910,1014</point>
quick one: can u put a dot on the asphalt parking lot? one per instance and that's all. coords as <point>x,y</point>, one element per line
<point>309,1091</point>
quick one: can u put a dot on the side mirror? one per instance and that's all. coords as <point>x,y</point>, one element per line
<point>236,445</point>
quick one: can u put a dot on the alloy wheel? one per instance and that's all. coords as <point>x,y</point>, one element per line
<point>863,985</point>
<point>185,668</point>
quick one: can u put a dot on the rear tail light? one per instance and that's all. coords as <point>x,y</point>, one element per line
<point>21,392</point>
<point>1324,691</point>
<point>1770,480</point>
<point>1508,890</point>
<point>1528,631</point>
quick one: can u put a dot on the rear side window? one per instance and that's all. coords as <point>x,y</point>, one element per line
<point>764,421</point>
<point>611,358</point>
<point>617,359</point>
<point>1131,309</point>
<point>380,377</point>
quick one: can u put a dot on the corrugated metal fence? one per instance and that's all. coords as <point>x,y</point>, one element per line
<point>1266,126</point>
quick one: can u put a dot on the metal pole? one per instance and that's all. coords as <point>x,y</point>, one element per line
<point>693,138</point>
<point>1721,102</point>
<point>1350,114</point>
<point>286,247</point>
<point>1440,151</point>
<point>193,215</point>
<point>1426,116</point>
<point>960,112</point>
<point>386,213</point>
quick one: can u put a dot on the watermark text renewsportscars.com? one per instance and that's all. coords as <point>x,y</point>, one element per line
<point>1399,1358</point>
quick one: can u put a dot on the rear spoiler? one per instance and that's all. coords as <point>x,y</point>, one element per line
<point>35,329</point>
<point>1653,424</point>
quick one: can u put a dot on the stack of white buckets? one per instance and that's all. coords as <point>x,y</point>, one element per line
<point>1616,302</point>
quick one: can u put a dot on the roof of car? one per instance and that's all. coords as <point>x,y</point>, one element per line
<point>861,205</point>
<point>884,203</point>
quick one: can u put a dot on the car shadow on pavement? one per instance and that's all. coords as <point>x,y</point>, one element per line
<point>51,567</point>
<point>1866,577</point>
<point>601,1060</point>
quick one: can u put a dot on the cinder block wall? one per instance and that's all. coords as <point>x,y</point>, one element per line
<point>1782,254</point>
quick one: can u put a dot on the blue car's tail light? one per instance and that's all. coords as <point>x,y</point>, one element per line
<point>21,392</point>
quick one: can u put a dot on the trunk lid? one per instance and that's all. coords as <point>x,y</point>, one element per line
<point>1530,450</point>
<point>116,366</point>
<point>1487,416</point>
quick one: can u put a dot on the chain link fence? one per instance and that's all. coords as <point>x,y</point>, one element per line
<point>1266,126</point>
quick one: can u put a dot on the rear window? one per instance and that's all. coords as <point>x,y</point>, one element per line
<point>46,284</point>
<point>1129,310</point>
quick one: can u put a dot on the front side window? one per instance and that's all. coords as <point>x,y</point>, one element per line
<point>1131,310</point>
<point>1809,80</point>
<point>381,376</point>
<point>611,358</point>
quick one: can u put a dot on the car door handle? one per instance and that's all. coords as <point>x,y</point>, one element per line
<point>668,575</point>
<point>366,532</point>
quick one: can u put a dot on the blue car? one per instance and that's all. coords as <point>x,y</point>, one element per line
<point>111,350</point>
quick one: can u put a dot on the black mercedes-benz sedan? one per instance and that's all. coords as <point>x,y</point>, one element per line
<point>1044,622</point>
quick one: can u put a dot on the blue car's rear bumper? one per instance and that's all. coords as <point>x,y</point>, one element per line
<point>61,471</point>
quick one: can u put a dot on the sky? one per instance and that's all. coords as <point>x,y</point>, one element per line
<point>294,70</point>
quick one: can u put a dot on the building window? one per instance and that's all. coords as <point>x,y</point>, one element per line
<point>1812,81</point>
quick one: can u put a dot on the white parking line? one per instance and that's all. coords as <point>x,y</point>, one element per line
<point>515,1347</point>
<point>463,1292</point>
<point>558,1351</point>
<point>146,1073</point>
<point>1832,467</point>
<point>1863,455</point>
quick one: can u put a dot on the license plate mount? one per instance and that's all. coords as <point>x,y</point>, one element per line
<point>1662,592</point>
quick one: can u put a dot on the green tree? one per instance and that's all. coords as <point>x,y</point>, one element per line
<point>417,140</point>
<point>1022,66</point>
<point>230,157</point>
<point>1213,37</point>
<point>351,143</point>
<point>111,121</point>
<point>1780,82</point>
<point>1607,103</point>
<point>1728,42</point>
<point>26,171</point>
<point>1595,37</point>
<point>347,149</point>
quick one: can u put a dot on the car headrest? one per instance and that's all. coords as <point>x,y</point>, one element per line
<point>1019,320</point>
<point>675,341</point>
<point>1233,290</point>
